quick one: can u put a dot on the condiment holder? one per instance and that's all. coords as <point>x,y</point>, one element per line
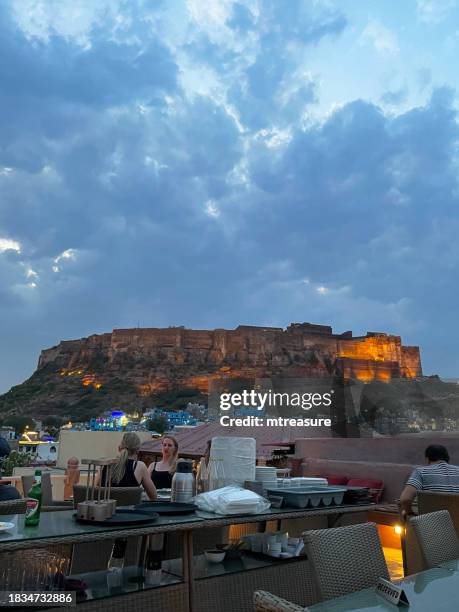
<point>100,507</point>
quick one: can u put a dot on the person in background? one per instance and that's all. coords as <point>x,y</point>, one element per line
<point>162,472</point>
<point>202,477</point>
<point>128,471</point>
<point>72,477</point>
<point>437,475</point>
<point>7,491</point>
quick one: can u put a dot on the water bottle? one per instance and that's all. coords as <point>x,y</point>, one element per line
<point>116,561</point>
<point>183,483</point>
<point>153,561</point>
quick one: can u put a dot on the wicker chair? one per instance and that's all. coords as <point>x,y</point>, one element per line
<point>427,501</point>
<point>47,502</point>
<point>436,537</point>
<point>13,506</point>
<point>343,559</point>
<point>125,496</point>
<point>430,501</point>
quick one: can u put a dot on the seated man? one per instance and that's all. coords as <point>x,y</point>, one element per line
<point>437,475</point>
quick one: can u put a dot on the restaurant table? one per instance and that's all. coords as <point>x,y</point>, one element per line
<point>190,583</point>
<point>435,589</point>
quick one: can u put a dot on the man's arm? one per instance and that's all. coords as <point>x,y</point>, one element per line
<point>406,499</point>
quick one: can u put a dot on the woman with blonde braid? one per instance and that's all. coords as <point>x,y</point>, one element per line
<point>128,471</point>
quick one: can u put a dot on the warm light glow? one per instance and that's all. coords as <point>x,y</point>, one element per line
<point>398,529</point>
<point>375,348</point>
<point>35,442</point>
<point>124,420</point>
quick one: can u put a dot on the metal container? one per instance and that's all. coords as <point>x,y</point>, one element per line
<point>83,510</point>
<point>183,482</point>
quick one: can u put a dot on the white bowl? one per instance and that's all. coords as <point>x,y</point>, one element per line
<point>214,556</point>
<point>5,526</point>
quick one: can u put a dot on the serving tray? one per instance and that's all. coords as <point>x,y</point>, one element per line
<point>123,518</point>
<point>165,508</point>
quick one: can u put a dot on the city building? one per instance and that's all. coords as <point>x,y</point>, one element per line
<point>42,450</point>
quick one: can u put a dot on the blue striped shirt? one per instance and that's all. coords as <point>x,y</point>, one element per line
<point>436,477</point>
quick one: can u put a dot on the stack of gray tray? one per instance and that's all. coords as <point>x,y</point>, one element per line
<point>304,497</point>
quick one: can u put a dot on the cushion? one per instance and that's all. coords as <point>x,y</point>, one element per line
<point>334,479</point>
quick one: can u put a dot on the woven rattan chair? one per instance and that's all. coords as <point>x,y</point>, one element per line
<point>48,504</point>
<point>13,506</point>
<point>436,537</point>
<point>267,602</point>
<point>431,501</point>
<point>125,496</point>
<point>345,559</point>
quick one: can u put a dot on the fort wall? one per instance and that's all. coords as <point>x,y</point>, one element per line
<point>186,355</point>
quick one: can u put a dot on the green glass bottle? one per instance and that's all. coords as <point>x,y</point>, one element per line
<point>32,517</point>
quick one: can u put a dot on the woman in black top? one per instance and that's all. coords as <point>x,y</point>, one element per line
<point>162,472</point>
<point>128,471</point>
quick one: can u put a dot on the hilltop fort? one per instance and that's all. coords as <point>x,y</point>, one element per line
<point>190,357</point>
<point>132,366</point>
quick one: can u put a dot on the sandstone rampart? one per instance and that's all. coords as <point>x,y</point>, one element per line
<point>158,357</point>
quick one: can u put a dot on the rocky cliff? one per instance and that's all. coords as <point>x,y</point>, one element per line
<point>129,367</point>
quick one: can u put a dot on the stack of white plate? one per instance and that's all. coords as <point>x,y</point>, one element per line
<point>308,481</point>
<point>266,475</point>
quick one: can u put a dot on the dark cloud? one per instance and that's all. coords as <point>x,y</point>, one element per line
<point>138,201</point>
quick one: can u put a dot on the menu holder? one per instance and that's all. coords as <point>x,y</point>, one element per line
<point>391,592</point>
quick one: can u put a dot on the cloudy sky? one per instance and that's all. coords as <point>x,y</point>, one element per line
<point>208,164</point>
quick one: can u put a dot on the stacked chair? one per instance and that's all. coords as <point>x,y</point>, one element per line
<point>436,537</point>
<point>343,560</point>
<point>428,502</point>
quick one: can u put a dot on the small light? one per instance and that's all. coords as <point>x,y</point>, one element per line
<point>398,529</point>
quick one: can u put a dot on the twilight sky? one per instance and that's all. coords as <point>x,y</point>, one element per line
<point>220,162</point>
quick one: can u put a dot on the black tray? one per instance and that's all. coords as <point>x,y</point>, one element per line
<point>123,518</point>
<point>165,508</point>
